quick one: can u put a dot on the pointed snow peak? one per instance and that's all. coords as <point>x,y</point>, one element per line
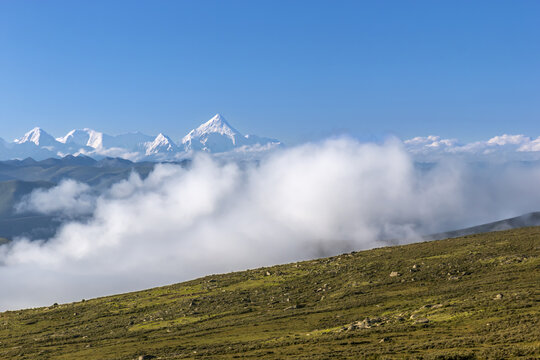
<point>162,143</point>
<point>31,135</point>
<point>215,135</point>
<point>218,119</point>
<point>216,124</point>
<point>37,136</point>
<point>161,137</point>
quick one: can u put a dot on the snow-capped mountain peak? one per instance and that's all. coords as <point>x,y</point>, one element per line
<point>215,135</point>
<point>37,136</point>
<point>83,137</point>
<point>162,143</point>
<point>162,139</point>
<point>217,124</point>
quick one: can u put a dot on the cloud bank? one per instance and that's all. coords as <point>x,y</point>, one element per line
<point>505,147</point>
<point>309,201</point>
<point>69,199</point>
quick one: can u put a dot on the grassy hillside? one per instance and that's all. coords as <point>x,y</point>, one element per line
<point>464,298</point>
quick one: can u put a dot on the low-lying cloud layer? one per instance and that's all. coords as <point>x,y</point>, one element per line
<point>298,203</point>
<point>70,199</point>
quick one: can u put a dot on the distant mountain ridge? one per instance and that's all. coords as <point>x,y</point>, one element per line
<point>214,136</point>
<point>19,178</point>
<point>525,220</point>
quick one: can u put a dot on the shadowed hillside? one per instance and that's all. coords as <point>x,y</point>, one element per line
<point>530,219</point>
<point>28,224</point>
<point>20,177</point>
<point>463,298</point>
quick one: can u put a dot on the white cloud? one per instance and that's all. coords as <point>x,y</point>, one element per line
<point>531,146</point>
<point>429,144</point>
<point>506,147</point>
<point>509,140</point>
<point>218,216</point>
<point>112,152</point>
<point>70,198</point>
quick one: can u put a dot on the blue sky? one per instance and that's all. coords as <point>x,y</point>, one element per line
<point>293,70</point>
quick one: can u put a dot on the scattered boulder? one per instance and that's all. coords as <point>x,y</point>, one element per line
<point>297,306</point>
<point>146,357</point>
<point>498,297</point>
<point>364,324</point>
<point>394,274</point>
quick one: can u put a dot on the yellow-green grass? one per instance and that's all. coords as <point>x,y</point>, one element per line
<point>444,304</point>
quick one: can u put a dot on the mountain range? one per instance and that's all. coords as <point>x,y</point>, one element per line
<point>214,136</point>
<point>19,178</point>
<point>217,136</point>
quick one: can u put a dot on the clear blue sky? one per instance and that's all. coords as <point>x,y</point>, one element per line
<point>294,70</point>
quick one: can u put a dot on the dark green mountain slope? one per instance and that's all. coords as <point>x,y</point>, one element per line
<point>101,173</point>
<point>12,191</point>
<point>463,298</point>
<point>14,224</point>
<point>530,219</point>
<point>21,177</point>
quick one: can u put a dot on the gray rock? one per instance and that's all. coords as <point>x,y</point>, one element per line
<point>146,357</point>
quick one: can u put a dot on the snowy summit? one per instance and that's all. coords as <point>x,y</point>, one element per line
<point>36,136</point>
<point>215,136</point>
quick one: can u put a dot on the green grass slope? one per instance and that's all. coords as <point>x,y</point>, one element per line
<point>463,298</point>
